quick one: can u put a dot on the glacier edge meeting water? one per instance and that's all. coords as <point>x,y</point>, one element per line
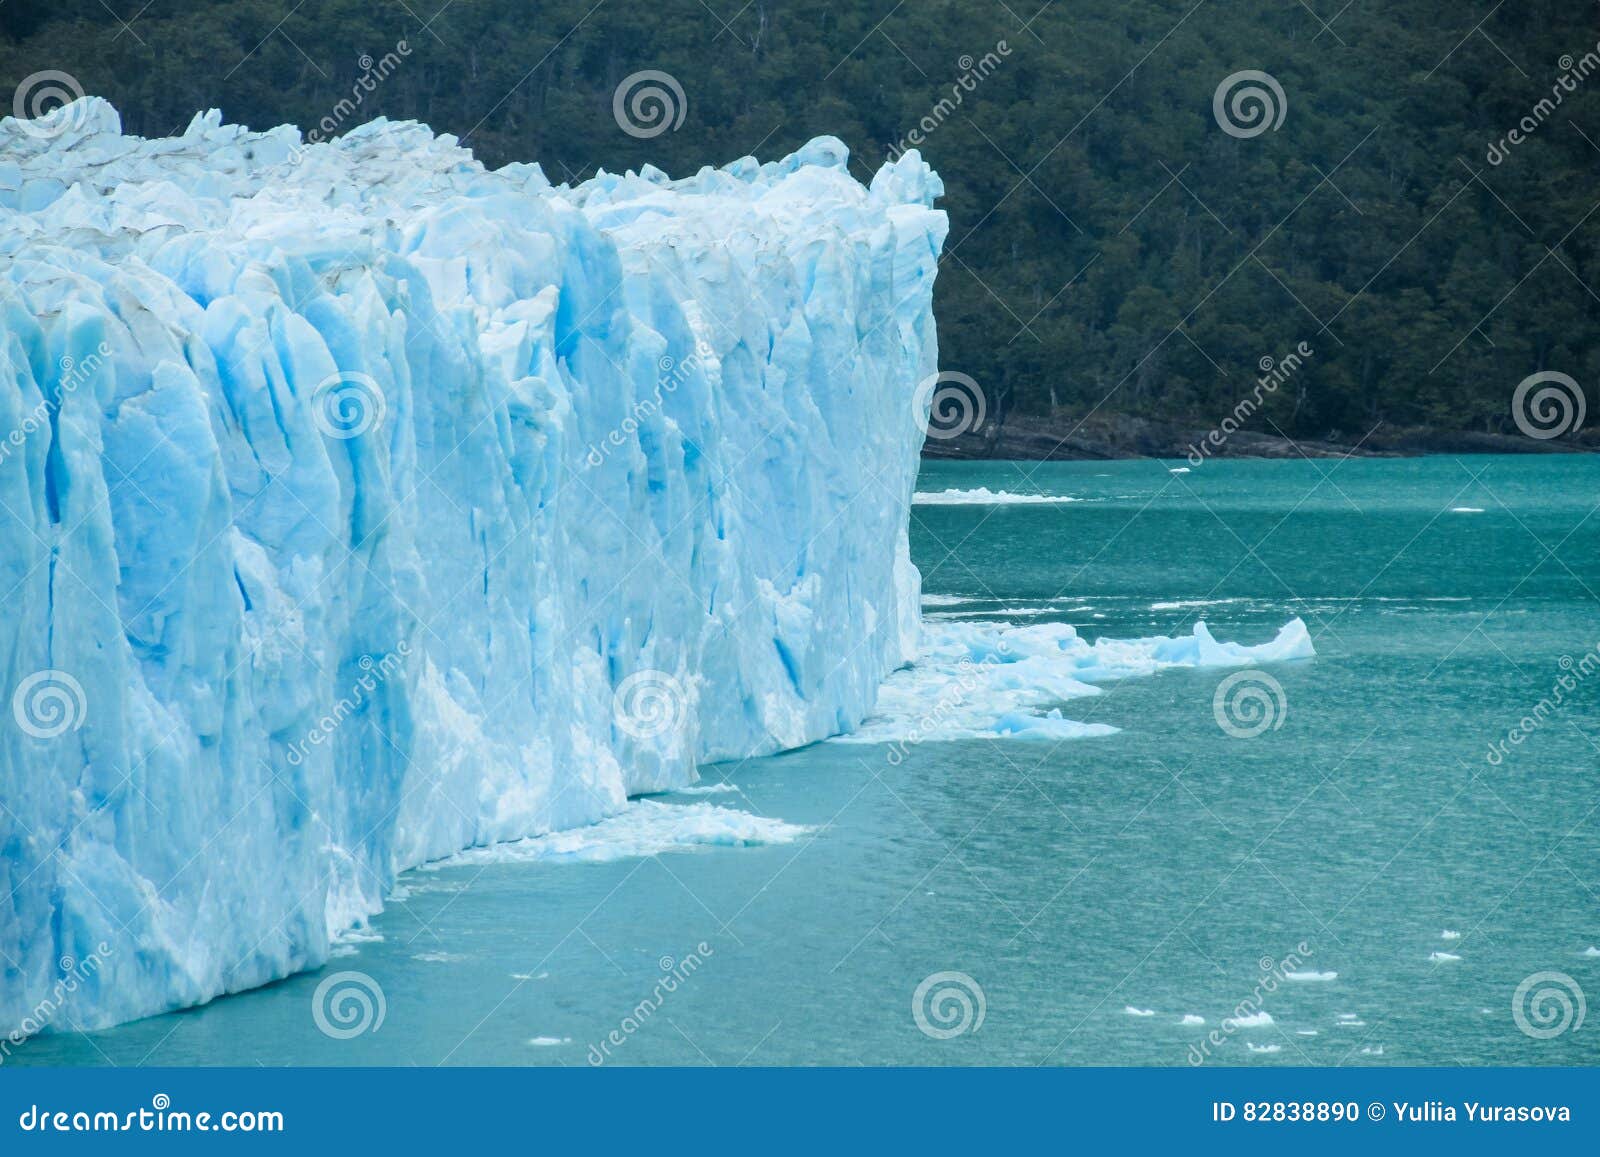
<point>366,506</point>
<point>363,506</point>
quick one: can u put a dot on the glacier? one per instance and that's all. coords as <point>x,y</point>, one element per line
<point>362,508</point>
<point>360,505</point>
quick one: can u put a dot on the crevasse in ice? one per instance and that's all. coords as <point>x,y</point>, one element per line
<point>359,505</point>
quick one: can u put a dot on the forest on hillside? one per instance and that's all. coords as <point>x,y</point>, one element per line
<point>1114,248</point>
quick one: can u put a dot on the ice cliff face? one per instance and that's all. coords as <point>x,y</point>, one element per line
<point>359,505</point>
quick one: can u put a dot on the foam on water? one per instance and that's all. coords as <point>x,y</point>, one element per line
<point>988,680</point>
<point>983,496</point>
<point>643,828</point>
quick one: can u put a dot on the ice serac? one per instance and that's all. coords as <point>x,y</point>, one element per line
<point>359,505</point>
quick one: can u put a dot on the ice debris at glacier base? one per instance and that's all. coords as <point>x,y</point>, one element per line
<point>987,680</point>
<point>344,486</point>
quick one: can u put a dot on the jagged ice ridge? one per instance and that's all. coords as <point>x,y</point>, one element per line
<point>359,505</point>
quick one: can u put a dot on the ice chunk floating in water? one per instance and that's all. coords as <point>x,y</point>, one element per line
<point>366,505</point>
<point>988,680</point>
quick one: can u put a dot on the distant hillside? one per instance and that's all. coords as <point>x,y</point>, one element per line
<point>1124,242</point>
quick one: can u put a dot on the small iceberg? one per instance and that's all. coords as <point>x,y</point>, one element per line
<point>1192,1021</point>
<point>1260,1019</point>
<point>1310,977</point>
<point>1131,1011</point>
<point>1444,957</point>
<point>983,496</point>
<point>1255,1048</point>
<point>1449,934</point>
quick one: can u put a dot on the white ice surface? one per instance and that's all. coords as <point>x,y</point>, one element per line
<point>355,482</point>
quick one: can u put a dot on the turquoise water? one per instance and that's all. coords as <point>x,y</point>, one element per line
<point>1168,868</point>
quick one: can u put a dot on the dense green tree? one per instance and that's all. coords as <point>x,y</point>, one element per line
<point>1112,249</point>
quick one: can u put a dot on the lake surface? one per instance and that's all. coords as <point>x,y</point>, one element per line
<point>1095,891</point>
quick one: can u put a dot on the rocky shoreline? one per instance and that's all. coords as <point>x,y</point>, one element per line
<point>1064,438</point>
